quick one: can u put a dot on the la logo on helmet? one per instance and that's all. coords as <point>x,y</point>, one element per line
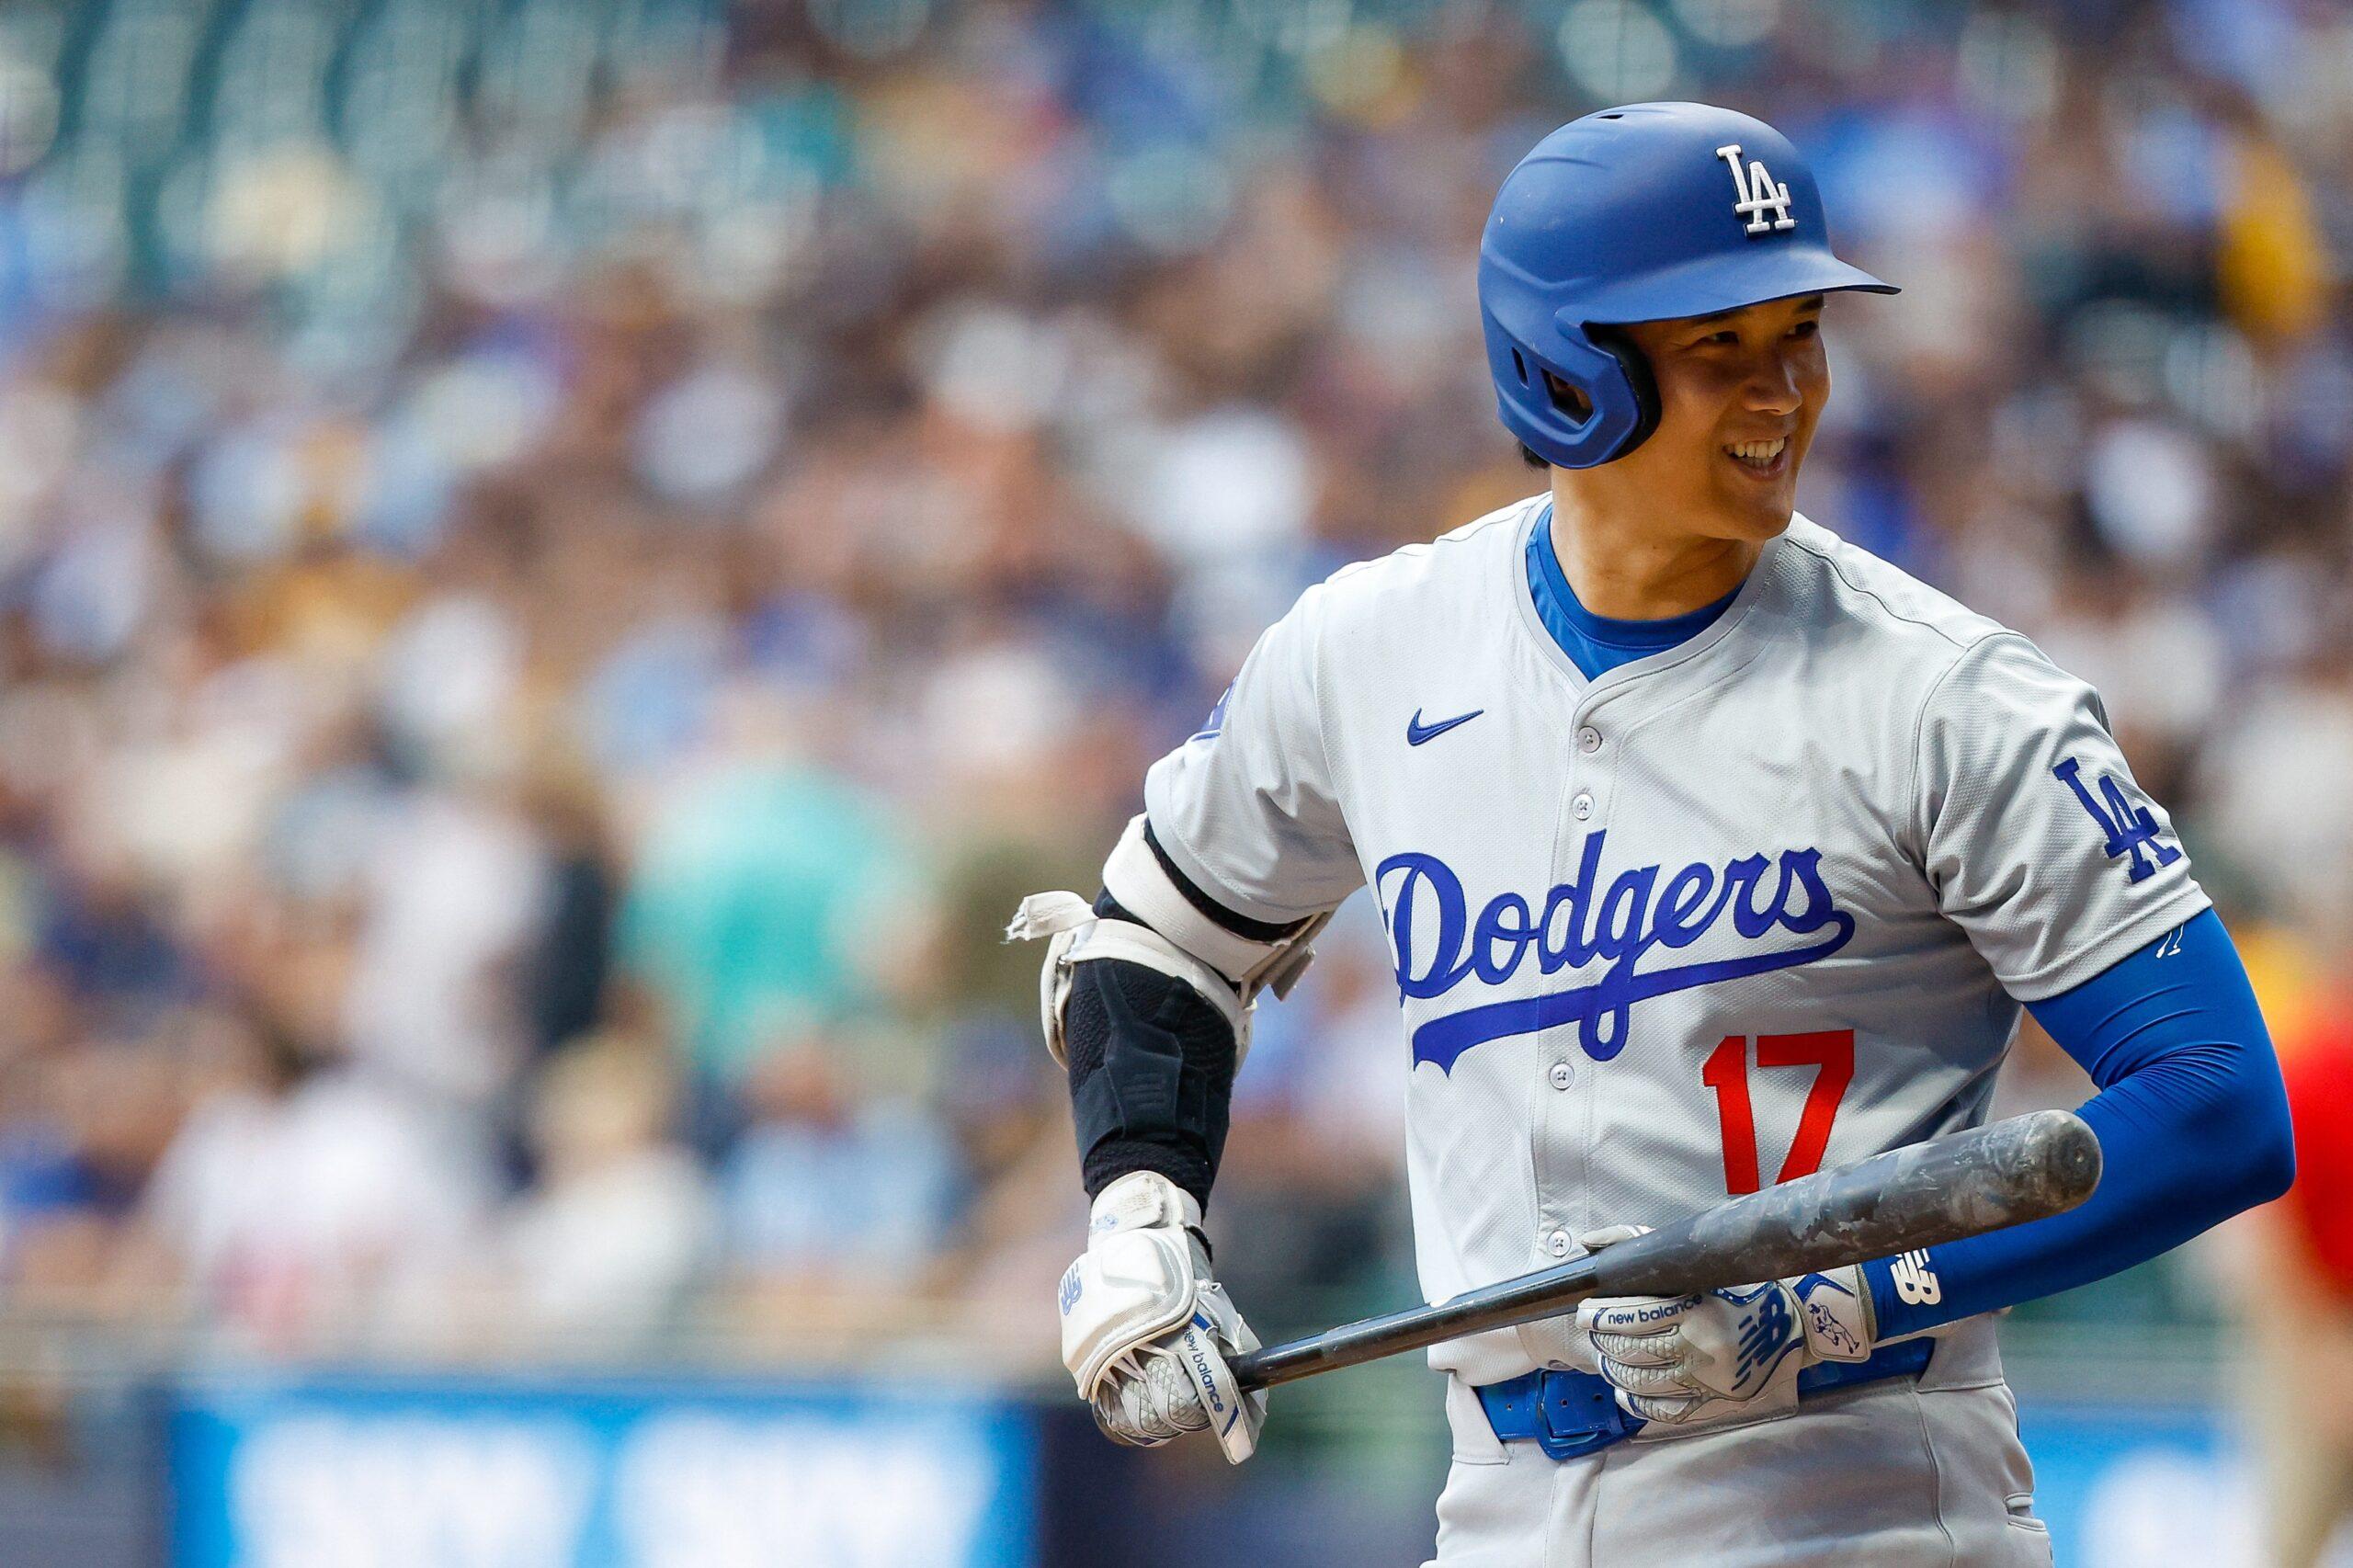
<point>1758,192</point>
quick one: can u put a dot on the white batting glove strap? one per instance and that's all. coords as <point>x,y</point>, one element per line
<point>1206,1346</point>
<point>1688,1360</point>
<point>1836,1307</point>
<point>1142,1201</point>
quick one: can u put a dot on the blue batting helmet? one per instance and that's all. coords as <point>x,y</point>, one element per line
<point>1640,213</point>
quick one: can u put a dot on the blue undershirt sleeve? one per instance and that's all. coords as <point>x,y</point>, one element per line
<point>2193,1123</point>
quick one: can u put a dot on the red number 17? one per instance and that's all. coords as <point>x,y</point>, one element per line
<point>1830,1052</point>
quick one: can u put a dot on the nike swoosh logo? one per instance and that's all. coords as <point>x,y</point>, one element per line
<point>1416,732</point>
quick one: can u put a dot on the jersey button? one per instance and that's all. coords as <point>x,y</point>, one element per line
<point>1589,739</point>
<point>1557,1244</point>
<point>1581,807</point>
<point>1561,1075</point>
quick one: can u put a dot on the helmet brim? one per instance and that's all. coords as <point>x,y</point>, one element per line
<point>1726,282</point>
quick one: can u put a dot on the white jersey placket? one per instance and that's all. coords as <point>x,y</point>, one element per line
<point>1605,717</point>
<point>1564,1125</point>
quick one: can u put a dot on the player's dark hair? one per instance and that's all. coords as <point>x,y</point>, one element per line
<point>1527,455</point>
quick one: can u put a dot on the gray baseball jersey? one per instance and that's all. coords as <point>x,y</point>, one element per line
<point>1764,902</point>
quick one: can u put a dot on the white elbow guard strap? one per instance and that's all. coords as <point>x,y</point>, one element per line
<point>1175,938</point>
<point>1078,935</point>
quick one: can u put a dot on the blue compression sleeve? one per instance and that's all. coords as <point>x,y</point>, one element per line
<point>2192,1124</point>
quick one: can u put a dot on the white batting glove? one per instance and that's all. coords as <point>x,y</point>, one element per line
<point>1685,1360</point>
<point>1147,1332</point>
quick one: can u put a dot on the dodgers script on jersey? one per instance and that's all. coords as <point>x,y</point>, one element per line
<point>1762,902</point>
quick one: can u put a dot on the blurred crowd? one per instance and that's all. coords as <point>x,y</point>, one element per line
<point>564,563</point>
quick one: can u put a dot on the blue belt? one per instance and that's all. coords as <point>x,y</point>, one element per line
<point>1571,1414</point>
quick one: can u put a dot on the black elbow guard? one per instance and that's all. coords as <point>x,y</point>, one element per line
<point>1152,1067</point>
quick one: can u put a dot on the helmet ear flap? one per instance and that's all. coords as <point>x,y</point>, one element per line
<point>1620,345</point>
<point>1573,401</point>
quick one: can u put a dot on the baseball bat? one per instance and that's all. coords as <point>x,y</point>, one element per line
<point>2024,1168</point>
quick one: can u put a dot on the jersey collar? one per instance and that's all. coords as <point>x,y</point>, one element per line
<point>1728,620</point>
<point>1592,639</point>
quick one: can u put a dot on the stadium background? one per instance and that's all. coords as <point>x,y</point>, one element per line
<point>564,563</point>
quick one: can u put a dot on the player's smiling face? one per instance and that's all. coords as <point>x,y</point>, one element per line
<point>1739,396</point>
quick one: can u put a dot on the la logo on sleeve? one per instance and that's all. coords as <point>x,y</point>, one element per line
<point>2131,830</point>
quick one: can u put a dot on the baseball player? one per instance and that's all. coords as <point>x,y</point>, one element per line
<point>1711,849</point>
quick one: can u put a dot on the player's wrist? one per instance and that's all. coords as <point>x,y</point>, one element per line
<point>1836,1310</point>
<point>1182,1160</point>
<point>1142,1199</point>
<point>1907,1295</point>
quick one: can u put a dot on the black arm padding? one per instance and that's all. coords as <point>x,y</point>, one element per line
<point>1151,1076</point>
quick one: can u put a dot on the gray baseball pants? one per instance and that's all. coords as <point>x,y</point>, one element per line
<point>1923,1473</point>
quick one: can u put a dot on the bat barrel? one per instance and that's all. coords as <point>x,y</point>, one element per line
<point>2028,1167</point>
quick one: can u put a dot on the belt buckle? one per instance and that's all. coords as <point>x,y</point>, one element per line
<point>1603,1422</point>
